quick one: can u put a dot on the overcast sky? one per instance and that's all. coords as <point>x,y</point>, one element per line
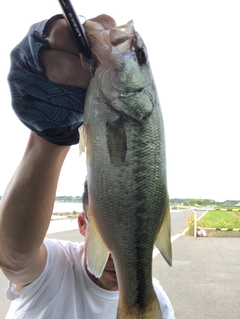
<point>195,57</point>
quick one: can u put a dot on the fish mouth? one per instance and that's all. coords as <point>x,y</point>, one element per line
<point>130,94</point>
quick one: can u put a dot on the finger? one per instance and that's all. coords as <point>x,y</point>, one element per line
<point>65,68</point>
<point>106,21</point>
<point>61,38</point>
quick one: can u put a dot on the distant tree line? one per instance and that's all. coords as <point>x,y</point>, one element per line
<point>192,201</point>
<point>68,199</point>
<point>199,202</point>
<point>202,202</point>
<point>173,201</point>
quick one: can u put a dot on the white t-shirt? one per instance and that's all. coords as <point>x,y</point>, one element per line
<point>64,290</point>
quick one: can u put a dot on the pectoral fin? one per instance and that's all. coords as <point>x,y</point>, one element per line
<point>97,251</point>
<point>163,241</point>
<point>85,141</point>
<point>82,139</point>
<point>117,142</point>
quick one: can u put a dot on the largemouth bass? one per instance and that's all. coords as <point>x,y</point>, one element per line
<point>126,168</point>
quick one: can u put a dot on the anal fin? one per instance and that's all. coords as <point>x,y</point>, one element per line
<point>163,240</point>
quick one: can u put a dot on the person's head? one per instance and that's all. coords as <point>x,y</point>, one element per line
<point>108,280</point>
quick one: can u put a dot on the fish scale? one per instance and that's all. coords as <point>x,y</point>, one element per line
<point>126,171</point>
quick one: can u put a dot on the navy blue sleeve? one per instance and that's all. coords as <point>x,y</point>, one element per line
<point>51,110</point>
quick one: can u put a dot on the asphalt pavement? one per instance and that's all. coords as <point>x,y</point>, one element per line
<point>203,283</point>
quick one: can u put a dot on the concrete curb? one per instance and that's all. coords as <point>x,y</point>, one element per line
<point>223,229</point>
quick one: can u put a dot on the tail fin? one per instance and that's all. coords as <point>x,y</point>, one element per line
<point>152,311</point>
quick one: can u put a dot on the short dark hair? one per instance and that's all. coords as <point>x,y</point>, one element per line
<point>85,197</point>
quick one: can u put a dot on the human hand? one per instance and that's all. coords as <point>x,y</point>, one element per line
<point>48,82</point>
<point>62,63</point>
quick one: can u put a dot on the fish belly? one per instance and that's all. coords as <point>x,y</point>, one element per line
<point>127,198</point>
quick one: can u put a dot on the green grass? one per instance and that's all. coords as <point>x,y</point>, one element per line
<point>220,219</point>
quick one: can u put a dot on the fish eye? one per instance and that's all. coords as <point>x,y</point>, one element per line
<point>141,56</point>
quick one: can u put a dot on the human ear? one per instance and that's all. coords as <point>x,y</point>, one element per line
<point>82,223</point>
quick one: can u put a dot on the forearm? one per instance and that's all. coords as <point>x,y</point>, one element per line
<point>54,111</point>
<point>27,204</point>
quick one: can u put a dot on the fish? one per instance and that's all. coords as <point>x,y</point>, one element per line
<point>124,141</point>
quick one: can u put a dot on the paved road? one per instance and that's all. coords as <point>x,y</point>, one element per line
<point>204,281</point>
<point>178,221</point>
